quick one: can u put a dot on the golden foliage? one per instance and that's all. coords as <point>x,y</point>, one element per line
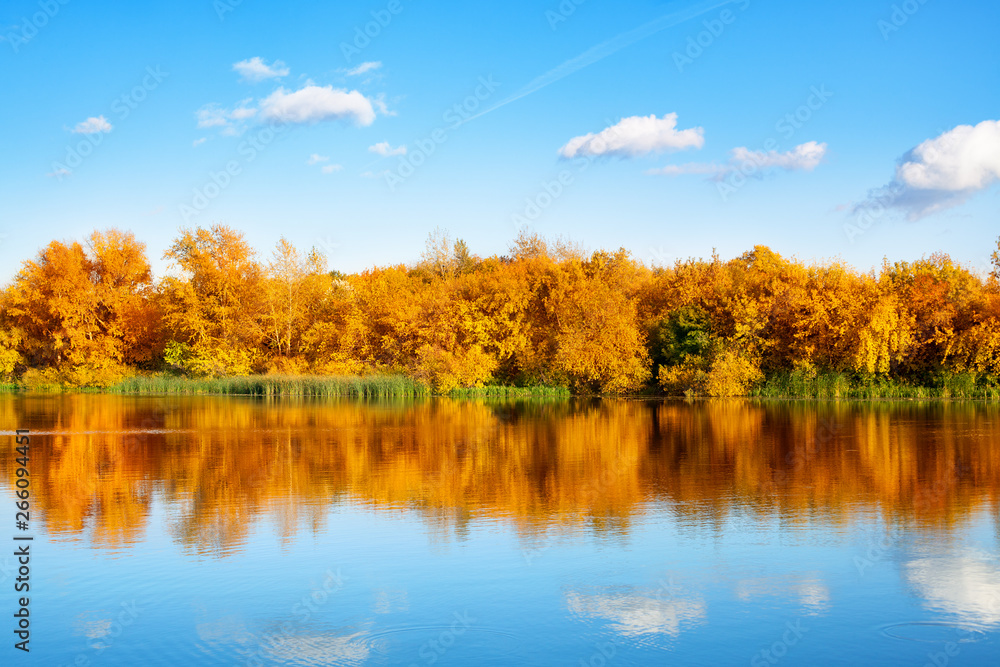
<point>548,313</point>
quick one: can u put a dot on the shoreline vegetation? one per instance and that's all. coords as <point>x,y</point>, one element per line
<point>299,386</point>
<point>831,386</point>
<point>544,320</point>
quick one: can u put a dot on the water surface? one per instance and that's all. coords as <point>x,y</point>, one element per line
<point>229,531</point>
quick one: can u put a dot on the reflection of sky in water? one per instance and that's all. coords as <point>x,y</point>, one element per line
<point>965,584</point>
<point>809,591</point>
<point>510,515</point>
<point>635,613</point>
<point>272,645</point>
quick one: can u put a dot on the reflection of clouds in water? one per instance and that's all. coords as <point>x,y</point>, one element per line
<point>967,585</point>
<point>278,647</point>
<point>92,628</point>
<point>633,614</point>
<point>319,650</point>
<point>386,601</point>
<point>229,628</point>
<point>811,592</point>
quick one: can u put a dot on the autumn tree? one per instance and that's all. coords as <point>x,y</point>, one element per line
<point>214,310</point>
<point>85,313</point>
<point>297,289</point>
<point>995,258</point>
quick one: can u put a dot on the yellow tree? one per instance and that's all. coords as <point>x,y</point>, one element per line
<point>53,301</point>
<point>216,306</point>
<point>296,287</point>
<point>123,282</point>
<point>85,313</point>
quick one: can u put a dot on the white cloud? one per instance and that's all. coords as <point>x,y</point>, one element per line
<point>690,168</point>
<point>386,150</point>
<point>381,106</point>
<point>316,158</point>
<point>255,69</point>
<point>242,113</point>
<point>330,168</point>
<point>60,173</point>
<point>364,68</point>
<point>93,126</point>
<point>313,104</point>
<point>634,136</point>
<point>211,115</point>
<point>374,174</point>
<point>965,158</point>
<point>199,142</point>
<point>804,157</point>
<point>944,171</point>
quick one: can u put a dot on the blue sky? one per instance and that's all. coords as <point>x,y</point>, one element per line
<point>646,111</point>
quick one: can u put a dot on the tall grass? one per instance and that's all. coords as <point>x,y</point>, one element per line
<point>842,385</point>
<point>540,391</point>
<point>828,385</point>
<point>373,386</point>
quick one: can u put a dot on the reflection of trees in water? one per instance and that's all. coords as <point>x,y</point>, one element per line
<point>224,464</point>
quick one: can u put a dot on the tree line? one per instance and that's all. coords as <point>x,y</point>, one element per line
<point>546,313</point>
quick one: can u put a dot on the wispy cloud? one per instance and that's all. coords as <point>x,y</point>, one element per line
<point>385,149</point>
<point>255,70</point>
<point>364,68</point>
<point>211,115</point>
<point>93,126</point>
<point>381,107</point>
<point>635,136</point>
<point>331,168</point>
<point>199,142</point>
<point>605,49</point>
<point>232,121</point>
<point>316,158</point>
<point>804,157</point>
